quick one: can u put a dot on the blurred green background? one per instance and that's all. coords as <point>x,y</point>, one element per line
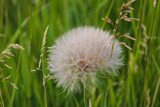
<point>24,22</point>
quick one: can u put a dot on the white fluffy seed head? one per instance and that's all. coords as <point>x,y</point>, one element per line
<point>82,53</point>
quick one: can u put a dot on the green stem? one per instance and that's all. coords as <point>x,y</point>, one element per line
<point>156,91</point>
<point>5,86</point>
<point>150,37</point>
<point>147,54</point>
<point>45,96</point>
<point>112,49</point>
<point>44,86</point>
<point>84,97</point>
<point>15,82</point>
<point>43,64</point>
<point>1,98</point>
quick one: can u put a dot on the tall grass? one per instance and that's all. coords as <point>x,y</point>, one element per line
<point>24,22</point>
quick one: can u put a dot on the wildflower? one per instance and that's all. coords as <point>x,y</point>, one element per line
<point>81,54</point>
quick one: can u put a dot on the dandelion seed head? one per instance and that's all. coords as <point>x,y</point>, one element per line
<point>82,53</point>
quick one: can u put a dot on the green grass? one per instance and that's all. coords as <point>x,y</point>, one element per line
<point>24,22</point>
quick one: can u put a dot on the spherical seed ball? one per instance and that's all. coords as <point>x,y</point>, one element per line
<point>82,53</point>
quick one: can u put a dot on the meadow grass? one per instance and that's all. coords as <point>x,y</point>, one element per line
<point>24,22</point>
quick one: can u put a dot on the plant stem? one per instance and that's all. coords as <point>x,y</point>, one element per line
<point>147,54</point>
<point>155,94</point>
<point>84,97</point>
<point>15,82</point>
<point>150,37</point>
<point>44,86</point>
<point>43,64</point>
<point>112,48</point>
<point>1,98</point>
<point>45,92</point>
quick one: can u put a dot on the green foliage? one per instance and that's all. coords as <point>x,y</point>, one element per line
<point>24,22</point>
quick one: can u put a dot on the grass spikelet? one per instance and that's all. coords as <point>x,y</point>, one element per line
<point>16,46</point>
<point>13,85</point>
<point>41,61</point>
<point>124,11</point>
<point>7,54</point>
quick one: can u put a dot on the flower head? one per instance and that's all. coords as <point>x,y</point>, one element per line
<point>82,53</point>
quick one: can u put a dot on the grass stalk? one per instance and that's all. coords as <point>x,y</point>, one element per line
<point>150,37</point>
<point>1,98</point>
<point>155,94</point>
<point>45,96</point>
<point>146,58</point>
<point>5,87</point>
<point>84,97</point>
<point>44,85</point>
<point>43,65</point>
<point>16,80</point>
<point>158,83</point>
